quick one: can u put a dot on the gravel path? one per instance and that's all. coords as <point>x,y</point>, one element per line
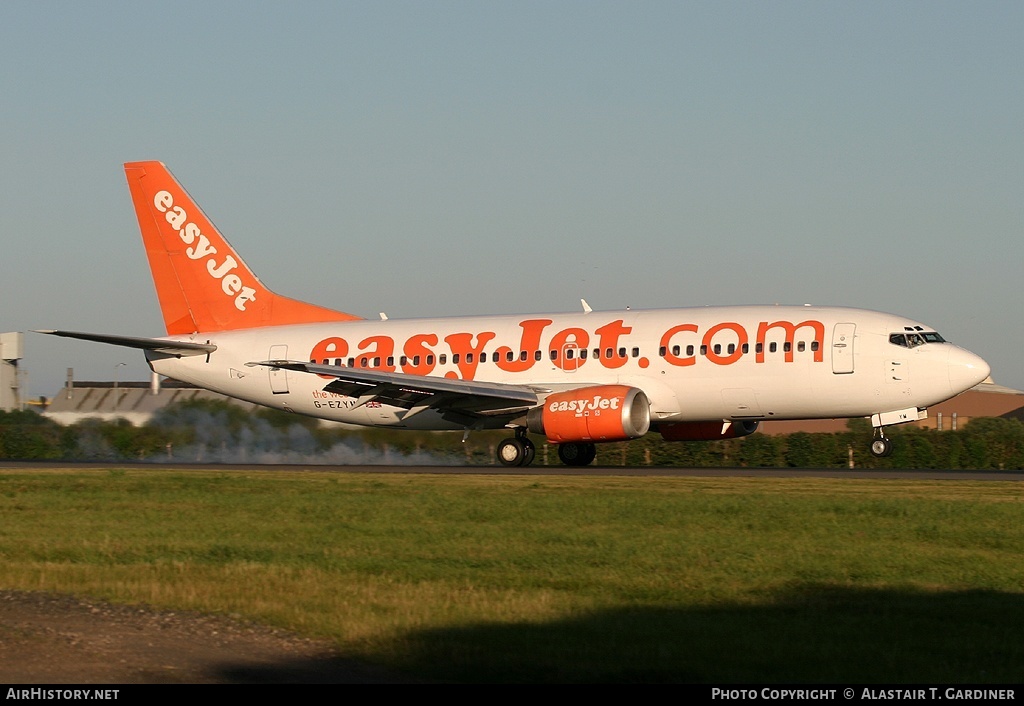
<point>55,639</point>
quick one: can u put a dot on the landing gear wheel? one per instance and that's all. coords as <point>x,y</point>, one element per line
<point>576,454</point>
<point>881,447</point>
<point>529,451</point>
<point>512,452</point>
<point>591,454</point>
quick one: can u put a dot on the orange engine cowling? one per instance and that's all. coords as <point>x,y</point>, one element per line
<point>705,431</point>
<point>599,413</point>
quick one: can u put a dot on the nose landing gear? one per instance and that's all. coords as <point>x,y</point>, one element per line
<point>881,446</point>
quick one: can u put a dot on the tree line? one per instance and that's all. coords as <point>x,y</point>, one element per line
<point>205,431</point>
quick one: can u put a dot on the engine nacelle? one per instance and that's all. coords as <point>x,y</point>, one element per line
<point>705,431</point>
<point>599,413</point>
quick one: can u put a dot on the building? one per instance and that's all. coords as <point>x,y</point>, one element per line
<point>11,347</point>
<point>135,401</point>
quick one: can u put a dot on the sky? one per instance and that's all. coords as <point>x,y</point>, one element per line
<point>448,158</point>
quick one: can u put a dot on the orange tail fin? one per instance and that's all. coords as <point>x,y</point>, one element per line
<point>201,282</point>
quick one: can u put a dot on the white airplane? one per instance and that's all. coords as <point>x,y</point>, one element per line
<point>579,378</point>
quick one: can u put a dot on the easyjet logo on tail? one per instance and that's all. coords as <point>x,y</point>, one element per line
<point>201,250</point>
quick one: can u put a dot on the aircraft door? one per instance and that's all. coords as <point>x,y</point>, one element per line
<point>842,348</point>
<point>278,376</point>
<point>570,357</point>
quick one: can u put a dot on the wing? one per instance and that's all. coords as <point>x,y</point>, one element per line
<point>460,401</point>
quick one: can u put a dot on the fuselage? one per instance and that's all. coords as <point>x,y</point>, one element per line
<point>694,364</point>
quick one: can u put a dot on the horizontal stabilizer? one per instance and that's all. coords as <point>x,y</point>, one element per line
<point>157,345</point>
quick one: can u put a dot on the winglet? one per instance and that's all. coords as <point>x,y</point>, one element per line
<point>201,282</point>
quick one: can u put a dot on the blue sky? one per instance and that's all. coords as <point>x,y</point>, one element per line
<point>447,158</point>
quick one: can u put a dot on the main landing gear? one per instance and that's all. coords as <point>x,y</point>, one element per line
<point>573,454</point>
<point>517,451</point>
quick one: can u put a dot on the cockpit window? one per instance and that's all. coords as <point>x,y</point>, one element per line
<point>913,340</point>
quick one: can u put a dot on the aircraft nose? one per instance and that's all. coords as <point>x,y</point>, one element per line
<point>965,369</point>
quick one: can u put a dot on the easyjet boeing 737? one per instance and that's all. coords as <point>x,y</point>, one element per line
<point>578,379</point>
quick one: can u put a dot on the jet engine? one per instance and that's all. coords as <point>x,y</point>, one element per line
<point>705,431</point>
<point>589,414</point>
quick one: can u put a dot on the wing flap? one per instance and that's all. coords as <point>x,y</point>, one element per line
<point>418,393</point>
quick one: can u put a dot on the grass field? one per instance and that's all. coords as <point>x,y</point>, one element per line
<point>557,579</point>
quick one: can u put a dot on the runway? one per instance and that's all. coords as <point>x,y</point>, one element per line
<point>595,471</point>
